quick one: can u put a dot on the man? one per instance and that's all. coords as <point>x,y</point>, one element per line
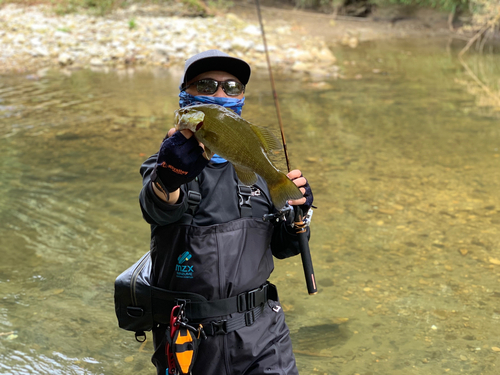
<point>208,238</point>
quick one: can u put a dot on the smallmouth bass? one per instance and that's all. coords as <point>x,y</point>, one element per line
<point>245,145</point>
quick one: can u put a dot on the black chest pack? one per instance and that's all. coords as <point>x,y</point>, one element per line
<point>139,305</point>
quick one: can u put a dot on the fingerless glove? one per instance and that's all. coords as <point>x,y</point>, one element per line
<point>309,198</point>
<point>179,161</point>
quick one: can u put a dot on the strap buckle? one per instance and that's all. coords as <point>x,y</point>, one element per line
<point>249,300</point>
<point>245,193</point>
<point>219,327</point>
<point>193,198</point>
<point>193,201</point>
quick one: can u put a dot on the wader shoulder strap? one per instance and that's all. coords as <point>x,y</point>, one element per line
<point>245,193</point>
<point>193,201</point>
<point>193,196</point>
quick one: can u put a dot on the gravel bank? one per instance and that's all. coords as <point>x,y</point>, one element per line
<point>34,37</point>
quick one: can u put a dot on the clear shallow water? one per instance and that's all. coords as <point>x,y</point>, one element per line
<point>404,164</point>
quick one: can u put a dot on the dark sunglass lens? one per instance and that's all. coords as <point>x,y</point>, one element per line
<point>233,88</point>
<point>207,86</point>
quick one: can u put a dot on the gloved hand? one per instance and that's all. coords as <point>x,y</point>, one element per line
<point>307,200</point>
<point>179,161</point>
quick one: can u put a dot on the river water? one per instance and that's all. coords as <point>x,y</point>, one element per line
<point>403,156</point>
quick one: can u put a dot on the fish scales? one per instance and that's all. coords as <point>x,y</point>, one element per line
<point>243,144</point>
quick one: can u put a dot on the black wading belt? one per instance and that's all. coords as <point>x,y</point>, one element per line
<point>198,309</point>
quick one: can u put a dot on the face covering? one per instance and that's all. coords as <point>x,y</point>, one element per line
<point>186,99</point>
<point>236,105</point>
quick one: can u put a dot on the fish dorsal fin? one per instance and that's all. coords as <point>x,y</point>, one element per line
<point>268,139</point>
<point>246,175</point>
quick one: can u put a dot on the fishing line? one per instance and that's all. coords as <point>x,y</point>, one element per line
<point>273,86</point>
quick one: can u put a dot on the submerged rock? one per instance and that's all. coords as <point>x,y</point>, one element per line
<point>315,338</point>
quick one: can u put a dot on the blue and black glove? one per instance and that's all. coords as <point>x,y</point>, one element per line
<point>290,217</point>
<point>309,198</point>
<point>179,161</point>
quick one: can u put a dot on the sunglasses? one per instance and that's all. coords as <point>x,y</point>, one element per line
<point>210,86</point>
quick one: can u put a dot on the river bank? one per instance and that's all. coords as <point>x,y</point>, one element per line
<point>35,37</point>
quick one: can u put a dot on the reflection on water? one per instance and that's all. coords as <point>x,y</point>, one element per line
<point>404,167</point>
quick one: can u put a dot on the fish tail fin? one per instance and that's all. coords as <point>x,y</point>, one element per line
<point>283,190</point>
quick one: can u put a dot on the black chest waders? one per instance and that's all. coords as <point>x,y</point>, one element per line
<point>206,260</point>
<point>224,307</point>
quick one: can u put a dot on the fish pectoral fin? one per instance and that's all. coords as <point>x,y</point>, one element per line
<point>208,154</point>
<point>267,138</point>
<point>246,175</point>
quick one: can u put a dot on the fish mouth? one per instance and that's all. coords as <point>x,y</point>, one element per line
<point>190,119</point>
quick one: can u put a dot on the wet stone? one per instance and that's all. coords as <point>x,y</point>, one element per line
<point>33,37</point>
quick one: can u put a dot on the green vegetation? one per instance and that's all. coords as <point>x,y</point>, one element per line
<point>220,4</point>
<point>99,7</point>
<point>447,5</point>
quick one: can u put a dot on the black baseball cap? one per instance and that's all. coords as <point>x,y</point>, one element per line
<point>215,60</point>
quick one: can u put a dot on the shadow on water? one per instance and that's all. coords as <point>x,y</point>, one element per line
<point>313,340</point>
<point>403,159</point>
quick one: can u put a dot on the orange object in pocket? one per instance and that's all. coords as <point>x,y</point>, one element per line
<point>184,348</point>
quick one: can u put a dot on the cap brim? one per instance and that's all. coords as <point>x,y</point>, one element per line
<point>232,65</point>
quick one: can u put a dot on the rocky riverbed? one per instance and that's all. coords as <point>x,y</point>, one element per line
<point>36,37</point>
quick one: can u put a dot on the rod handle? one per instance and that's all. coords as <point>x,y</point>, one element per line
<point>305,253</point>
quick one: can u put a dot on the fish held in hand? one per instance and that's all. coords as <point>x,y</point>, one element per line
<point>245,145</point>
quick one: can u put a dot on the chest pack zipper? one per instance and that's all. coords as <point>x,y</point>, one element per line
<point>135,275</point>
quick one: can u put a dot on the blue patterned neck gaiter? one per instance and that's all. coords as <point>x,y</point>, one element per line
<point>236,105</point>
<point>231,103</point>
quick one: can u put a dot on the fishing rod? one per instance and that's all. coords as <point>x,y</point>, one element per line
<point>299,223</point>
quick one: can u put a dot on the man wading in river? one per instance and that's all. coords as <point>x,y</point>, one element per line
<point>208,238</point>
